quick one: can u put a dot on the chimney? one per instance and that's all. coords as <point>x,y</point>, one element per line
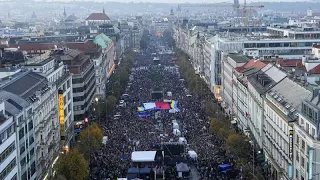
<point>304,60</point>
<point>38,94</point>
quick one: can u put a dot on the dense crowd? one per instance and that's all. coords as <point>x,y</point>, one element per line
<point>128,132</point>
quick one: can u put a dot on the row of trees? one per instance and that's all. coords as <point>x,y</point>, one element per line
<point>118,83</point>
<point>234,143</point>
<point>145,39</point>
<point>167,36</point>
<point>74,165</point>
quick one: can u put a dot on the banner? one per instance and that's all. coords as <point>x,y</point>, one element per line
<point>290,173</point>
<point>61,116</point>
<point>144,115</point>
<point>291,144</point>
<point>310,163</point>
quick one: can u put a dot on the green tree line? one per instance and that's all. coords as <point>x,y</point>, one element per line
<point>234,143</point>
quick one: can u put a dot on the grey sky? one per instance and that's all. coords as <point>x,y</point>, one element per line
<point>184,1</point>
<point>197,1</point>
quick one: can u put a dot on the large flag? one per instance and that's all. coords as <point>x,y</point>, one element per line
<point>148,106</point>
<point>162,105</point>
<point>174,105</point>
<point>140,109</point>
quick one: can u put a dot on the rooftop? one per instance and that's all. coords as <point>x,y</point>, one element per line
<point>239,58</point>
<point>98,16</point>
<point>290,98</point>
<point>26,84</point>
<point>13,103</point>
<point>266,78</point>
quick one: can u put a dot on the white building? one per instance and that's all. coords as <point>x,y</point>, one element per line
<point>23,156</point>
<point>306,139</point>
<point>56,73</point>
<point>229,63</point>
<point>281,106</point>
<point>8,145</point>
<point>258,85</point>
<point>240,92</point>
<point>42,96</point>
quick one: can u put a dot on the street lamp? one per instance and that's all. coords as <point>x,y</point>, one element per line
<point>97,100</point>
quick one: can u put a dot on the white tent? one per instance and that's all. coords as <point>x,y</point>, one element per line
<point>176,132</point>
<point>143,156</point>
<point>182,140</point>
<point>193,154</point>
<point>104,140</point>
<point>175,125</point>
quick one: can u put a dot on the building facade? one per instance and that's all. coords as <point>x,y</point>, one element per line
<point>8,145</point>
<point>83,80</point>
<point>42,97</point>
<point>57,74</point>
<point>306,139</point>
<point>281,106</point>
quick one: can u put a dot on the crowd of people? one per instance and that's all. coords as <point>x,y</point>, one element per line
<point>128,132</point>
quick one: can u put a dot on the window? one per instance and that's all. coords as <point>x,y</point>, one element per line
<point>20,119</point>
<point>30,124</point>
<point>69,95</point>
<point>302,162</point>
<point>31,152</point>
<point>307,128</point>
<point>68,83</point>
<point>29,112</point>
<point>23,162</point>
<point>31,140</point>
<point>303,145</point>
<point>313,132</point>
<point>8,169</point>
<point>22,149</point>
<point>21,133</point>
<point>297,156</point>
<point>24,176</point>
<point>7,152</point>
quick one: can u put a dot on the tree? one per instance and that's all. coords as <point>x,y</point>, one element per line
<point>100,109</point>
<point>72,166</point>
<point>116,89</point>
<point>123,78</point>
<point>90,140</point>
<point>209,108</point>
<point>110,105</point>
<point>238,144</point>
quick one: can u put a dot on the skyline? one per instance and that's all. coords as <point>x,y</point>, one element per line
<point>180,1</point>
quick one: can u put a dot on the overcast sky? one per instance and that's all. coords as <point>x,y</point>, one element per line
<point>198,1</point>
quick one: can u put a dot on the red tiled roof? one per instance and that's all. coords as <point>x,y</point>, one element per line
<point>98,16</point>
<point>254,64</point>
<point>291,63</point>
<point>315,70</point>
<point>239,69</point>
<point>34,46</point>
<point>86,46</point>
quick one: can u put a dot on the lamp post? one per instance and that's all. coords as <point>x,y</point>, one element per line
<point>97,100</point>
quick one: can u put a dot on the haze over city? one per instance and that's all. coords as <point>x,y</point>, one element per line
<point>154,90</point>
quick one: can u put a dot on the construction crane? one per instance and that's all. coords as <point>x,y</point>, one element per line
<point>245,11</point>
<point>236,6</point>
